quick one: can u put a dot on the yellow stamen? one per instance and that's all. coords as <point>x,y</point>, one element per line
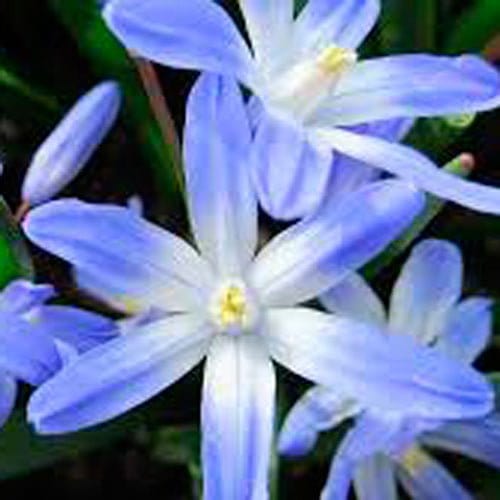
<point>336,59</point>
<point>232,307</point>
<point>414,459</point>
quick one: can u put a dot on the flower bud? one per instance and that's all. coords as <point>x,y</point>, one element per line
<point>64,153</point>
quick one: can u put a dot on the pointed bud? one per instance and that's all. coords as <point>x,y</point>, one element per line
<point>64,153</point>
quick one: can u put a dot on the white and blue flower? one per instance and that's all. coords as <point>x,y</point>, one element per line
<point>311,94</point>
<point>383,446</point>
<point>237,310</point>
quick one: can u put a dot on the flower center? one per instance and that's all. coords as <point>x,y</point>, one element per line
<point>233,309</point>
<point>305,86</point>
<point>414,459</point>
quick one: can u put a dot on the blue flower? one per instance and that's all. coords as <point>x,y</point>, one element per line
<point>36,339</point>
<point>311,95</point>
<point>238,310</point>
<point>64,153</point>
<point>383,445</point>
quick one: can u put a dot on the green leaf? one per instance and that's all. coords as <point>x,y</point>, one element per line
<point>109,59</point>
<point>409,25</point>
<point>16,91</point>
<point>432,209</point>
<point>475,28</point>
<point>22,451</point>
<point>15,260</point>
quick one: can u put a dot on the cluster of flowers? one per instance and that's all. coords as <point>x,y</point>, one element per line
<point>314,142</point>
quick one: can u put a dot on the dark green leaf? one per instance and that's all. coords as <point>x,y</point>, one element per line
<point>15,260</point>
<point>22,451</point>
<point>475,28</point>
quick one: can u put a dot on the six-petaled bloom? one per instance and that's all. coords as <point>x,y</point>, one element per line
<point>239,311</point>
<point>382,446</point>
<point>311,93</point>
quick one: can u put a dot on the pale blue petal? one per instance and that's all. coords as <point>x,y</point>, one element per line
<point>468,329</point>
<point>81,329</point>
<point>20,296</point>
<point>196,34</point>
<point>477,439</point>
<point>387,372</point>
<point>291,176</point>
<point>65,152</point>
<point>319,409</point>
<point>430,481</point>
<point>426,290</point>
<point>118,375</point>
<point>344,23</point>
<point>8,392</point>
<point>411,86</point>
<point>139,264</point>
<point>374,479</point>
<point>407,163</point>
<point>269,25</point>
<point>369,436</point>
<point>353,297</point>
<point>315,254</point>
<point>26,351</point>
<point>348,174</point>
<point>237,419</point>
<point>223,205</point>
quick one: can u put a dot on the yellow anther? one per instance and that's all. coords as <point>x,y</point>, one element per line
<point>336,59</point>
<point>414,459</point>
<point>232,307</point>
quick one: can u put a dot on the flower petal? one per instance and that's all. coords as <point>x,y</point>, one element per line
<point>222,200</point>
<point>20,296</point>
<point>26,351</point>
<point>8,392</point>
<point>411,86</point>
<point>319,409</point>
<point>349,174</point>
<point>237,418</point>
<point>374,479</point>
<point>386,372</point>
<point>428,480</point>
<point>407,163</point>
<point>344,23</point>
<point>353,297</point>
<point>290,175</point>
<point>427,289</point>
<point>315,254</point>
<point>119,375</point>
<point>269,24</point>
<point>468,330</point>
<point>138,264</point>
<point>477,439</point>
<point>369,436</point>
<point>81,329</point>
<point>196,35</point>
<point>65,152</point>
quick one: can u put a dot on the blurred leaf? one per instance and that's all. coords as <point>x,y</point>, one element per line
<point>109,59</point>
<point>180,445</point>
<point>22,451</point>
<point>409,25</point>
<point>434,135</point>
<point>15,260</point>
<point>475,28</point>
<point>432,209</point>
<point>16,91</point>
